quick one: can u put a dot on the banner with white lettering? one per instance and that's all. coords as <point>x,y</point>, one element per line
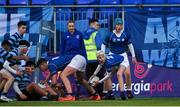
<point>156,37</point>
<point>151,81</point>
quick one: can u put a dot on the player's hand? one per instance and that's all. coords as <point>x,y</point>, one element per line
<point>43,82</point>
<point>134,61</point>
<point>23,97</point>
<point>26,58</point>
<point>18,72</point>
<point>91,78</point>
<point>95,83</point>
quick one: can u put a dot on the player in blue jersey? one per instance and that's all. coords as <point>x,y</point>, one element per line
<point>18,36</point>
<point>73,55</point>
<point>119,42</point>
<point>108,61</point>
<point>72,44</point>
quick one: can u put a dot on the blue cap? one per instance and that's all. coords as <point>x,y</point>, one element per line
<point>118,21</point>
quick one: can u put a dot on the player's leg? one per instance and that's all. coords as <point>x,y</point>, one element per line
<point>128,77</point>
<point>3,82</point>
<point>94,94</point>
<point>109,94</point>
<point>105,87</point>
<point>50,90</point>
<point>120,72</point>
<point>57,63</point>
<point>78,86</point>
<point>54,79</point>
<point>34,87</point>
<point>123,67</point>
<point>78,63</point>
<point>64,77</point>
<point>9,80</point>
<point>53,95</point>
<point>128,82</point>
<point>81,68</point>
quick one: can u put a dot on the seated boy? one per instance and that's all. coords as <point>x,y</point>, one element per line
<point>27,90</point>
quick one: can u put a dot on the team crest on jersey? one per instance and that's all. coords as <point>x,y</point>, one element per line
<point>123,39</point>
<point>109,57</point>
<point>68,36</point>
<point>114,39</point>
<point>77,36</point>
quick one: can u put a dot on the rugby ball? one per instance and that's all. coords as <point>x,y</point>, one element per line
<point>94,79</point>
<point>41,85</point>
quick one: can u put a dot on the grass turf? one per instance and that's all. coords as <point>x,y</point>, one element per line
<point>117,102</point>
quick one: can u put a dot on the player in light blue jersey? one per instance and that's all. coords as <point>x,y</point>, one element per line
<point>119,42</point>
<point>18,36</point>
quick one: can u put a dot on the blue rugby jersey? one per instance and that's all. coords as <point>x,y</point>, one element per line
<point>118,45</point>
<point>113,60</point>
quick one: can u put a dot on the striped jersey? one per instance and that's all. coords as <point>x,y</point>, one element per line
<point>14,52</point>
<point>4,55</point>
<point>14,39</point>
<point>23,80</point>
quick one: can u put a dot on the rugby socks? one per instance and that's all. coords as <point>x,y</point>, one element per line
<point>95,94</point>
<point>105,93</point>
<point>123,95</point>
<point>110,93</point>
<point>4,94</point>
<point>70,94</point>
<point>77,88</point>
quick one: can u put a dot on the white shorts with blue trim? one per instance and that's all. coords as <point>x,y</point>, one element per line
<point>125,62</point>
<point>78,62</point>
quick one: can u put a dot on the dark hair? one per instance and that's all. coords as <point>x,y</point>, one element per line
<point>24,42</point>
<point>71,21</point>
<point>40,61</point>
<point>20,23</point>
<point>5,42</point>
<point>92,21</point>
<point>30,64</point>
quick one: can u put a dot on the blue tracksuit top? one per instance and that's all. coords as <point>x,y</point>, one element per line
<point>72,44</point>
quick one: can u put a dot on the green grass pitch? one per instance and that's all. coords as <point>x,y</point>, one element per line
<point>117,102</point>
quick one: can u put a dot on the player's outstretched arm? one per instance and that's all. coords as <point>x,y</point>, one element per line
<point>95,72</point>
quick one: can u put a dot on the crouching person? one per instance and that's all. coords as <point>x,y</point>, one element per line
<point>78,66</point>
<point>27,90</point>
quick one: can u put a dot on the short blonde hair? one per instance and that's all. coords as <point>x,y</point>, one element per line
<point>100,52</point>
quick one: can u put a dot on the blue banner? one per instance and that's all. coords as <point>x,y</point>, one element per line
<point>35,18</point>
<point>151,81</point>
<point>155,36</point>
